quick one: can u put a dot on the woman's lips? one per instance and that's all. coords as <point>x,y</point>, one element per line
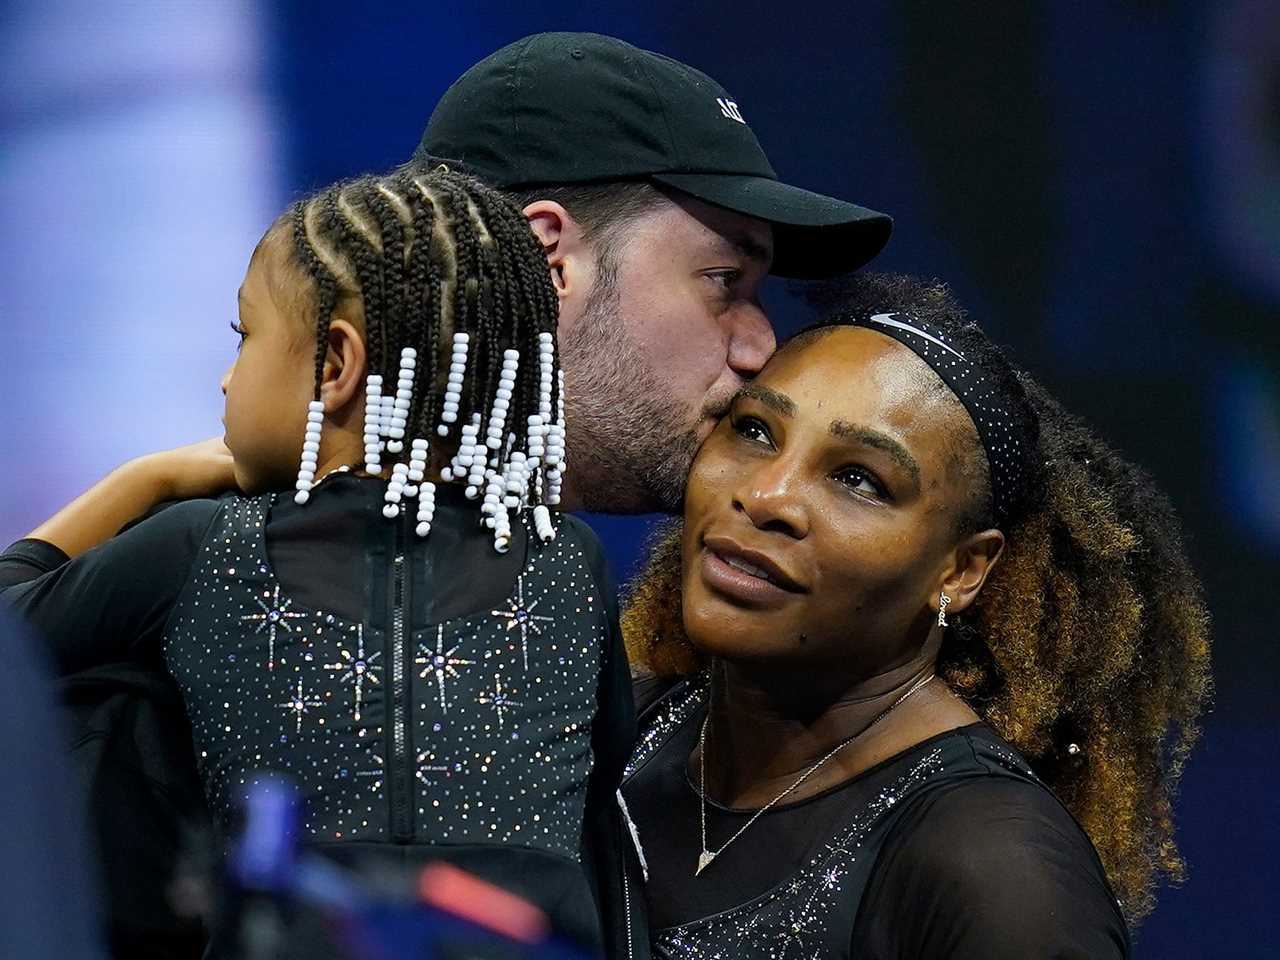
<point>740,580</point>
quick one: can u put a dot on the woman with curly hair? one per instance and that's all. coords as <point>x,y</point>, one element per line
<point>926,658</point>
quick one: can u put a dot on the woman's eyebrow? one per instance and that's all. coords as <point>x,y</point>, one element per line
<point>880,441</point>
<point>777,402</point>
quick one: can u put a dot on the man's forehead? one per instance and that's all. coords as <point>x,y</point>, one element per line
<point>746,235</point>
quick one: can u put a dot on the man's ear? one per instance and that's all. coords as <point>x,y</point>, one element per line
<point>561,238</point>
<point>973,560</point>
<point>344,367</point>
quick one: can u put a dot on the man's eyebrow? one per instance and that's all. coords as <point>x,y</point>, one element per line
<point>777,402</point>
<point>749,247</point>
<point>881,441</point>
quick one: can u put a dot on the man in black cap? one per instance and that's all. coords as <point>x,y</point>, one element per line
<point>660,215</point>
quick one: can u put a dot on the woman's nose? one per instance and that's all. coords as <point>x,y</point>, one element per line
<point>226,378</point>
<point>770,497</point>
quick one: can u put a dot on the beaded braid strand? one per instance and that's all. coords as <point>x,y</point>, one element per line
<point>396,243</point>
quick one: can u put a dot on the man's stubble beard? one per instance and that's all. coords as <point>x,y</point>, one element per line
<point>630,445</point>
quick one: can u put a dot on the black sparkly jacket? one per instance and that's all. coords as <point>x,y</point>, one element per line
<point>431,699</point>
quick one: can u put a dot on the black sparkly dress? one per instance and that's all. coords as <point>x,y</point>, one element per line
<point>429,697</point>
<point>951,849</point>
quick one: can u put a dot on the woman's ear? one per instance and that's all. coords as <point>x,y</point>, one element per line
<point>974,559</point>
<point>342,381</point>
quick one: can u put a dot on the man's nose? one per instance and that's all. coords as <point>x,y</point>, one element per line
<point>751,339</point>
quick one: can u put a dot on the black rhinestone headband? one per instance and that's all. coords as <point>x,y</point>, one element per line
<point>986,401</point>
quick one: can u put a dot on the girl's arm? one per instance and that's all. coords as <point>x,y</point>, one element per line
<point>111,603</point>
<point>198,470</point>
<point>99,597</point>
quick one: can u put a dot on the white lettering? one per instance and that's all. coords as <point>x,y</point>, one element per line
<point>729,108</point>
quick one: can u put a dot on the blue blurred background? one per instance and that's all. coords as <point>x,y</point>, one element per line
<point>1099,182</point>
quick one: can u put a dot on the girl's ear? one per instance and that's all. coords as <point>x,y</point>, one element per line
<point>342,382</point>
<point>973,560</point>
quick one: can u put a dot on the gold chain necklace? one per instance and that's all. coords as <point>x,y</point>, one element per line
<point>706,856</point>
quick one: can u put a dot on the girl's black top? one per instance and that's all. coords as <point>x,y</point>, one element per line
<point>951,849</point>
<point>430,698</point>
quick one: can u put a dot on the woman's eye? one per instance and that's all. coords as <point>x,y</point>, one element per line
<point>239,332</point>
<point>749,428</point>
<point>862,482</point>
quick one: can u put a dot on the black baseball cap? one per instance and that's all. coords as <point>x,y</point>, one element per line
<point>567,108</point>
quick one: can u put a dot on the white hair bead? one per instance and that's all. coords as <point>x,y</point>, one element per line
<point>426,508</point>
<point>401,403</point>
<point>310,452</point>
<point>417,468</point>
<point>542,523</point>
<point>391,511</point>
<point>387,402</point>
<point>372,423</point>
<point>453,389</point>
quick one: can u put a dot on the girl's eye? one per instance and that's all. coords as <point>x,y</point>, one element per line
<point>749,428</point>
<point>862,482</point>
<point>240,332</point>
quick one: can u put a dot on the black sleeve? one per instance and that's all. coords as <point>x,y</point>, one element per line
<point>993,869</point>
<point>28,559</point>
<point>110,603</point>
<point>613,734</point>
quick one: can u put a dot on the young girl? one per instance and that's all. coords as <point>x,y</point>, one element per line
<point>411,634</point>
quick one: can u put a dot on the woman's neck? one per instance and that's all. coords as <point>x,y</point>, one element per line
<point>765,728</point>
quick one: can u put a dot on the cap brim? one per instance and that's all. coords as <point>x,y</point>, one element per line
<point>814,237</point>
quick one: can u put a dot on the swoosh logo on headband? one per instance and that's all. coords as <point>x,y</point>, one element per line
<point>886,320</point>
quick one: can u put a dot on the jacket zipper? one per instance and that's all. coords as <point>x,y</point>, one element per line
<point>626,892</point>
<point>400,770</point>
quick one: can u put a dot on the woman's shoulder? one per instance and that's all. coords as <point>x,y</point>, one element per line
<point>648,688</point>
<point>988,809</point>
<point>999,862</point>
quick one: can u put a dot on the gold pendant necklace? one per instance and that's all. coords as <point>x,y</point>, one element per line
<point>706,856</point>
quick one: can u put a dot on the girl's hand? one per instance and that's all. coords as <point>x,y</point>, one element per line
<point>201,469</point>
<point>196,470</point>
